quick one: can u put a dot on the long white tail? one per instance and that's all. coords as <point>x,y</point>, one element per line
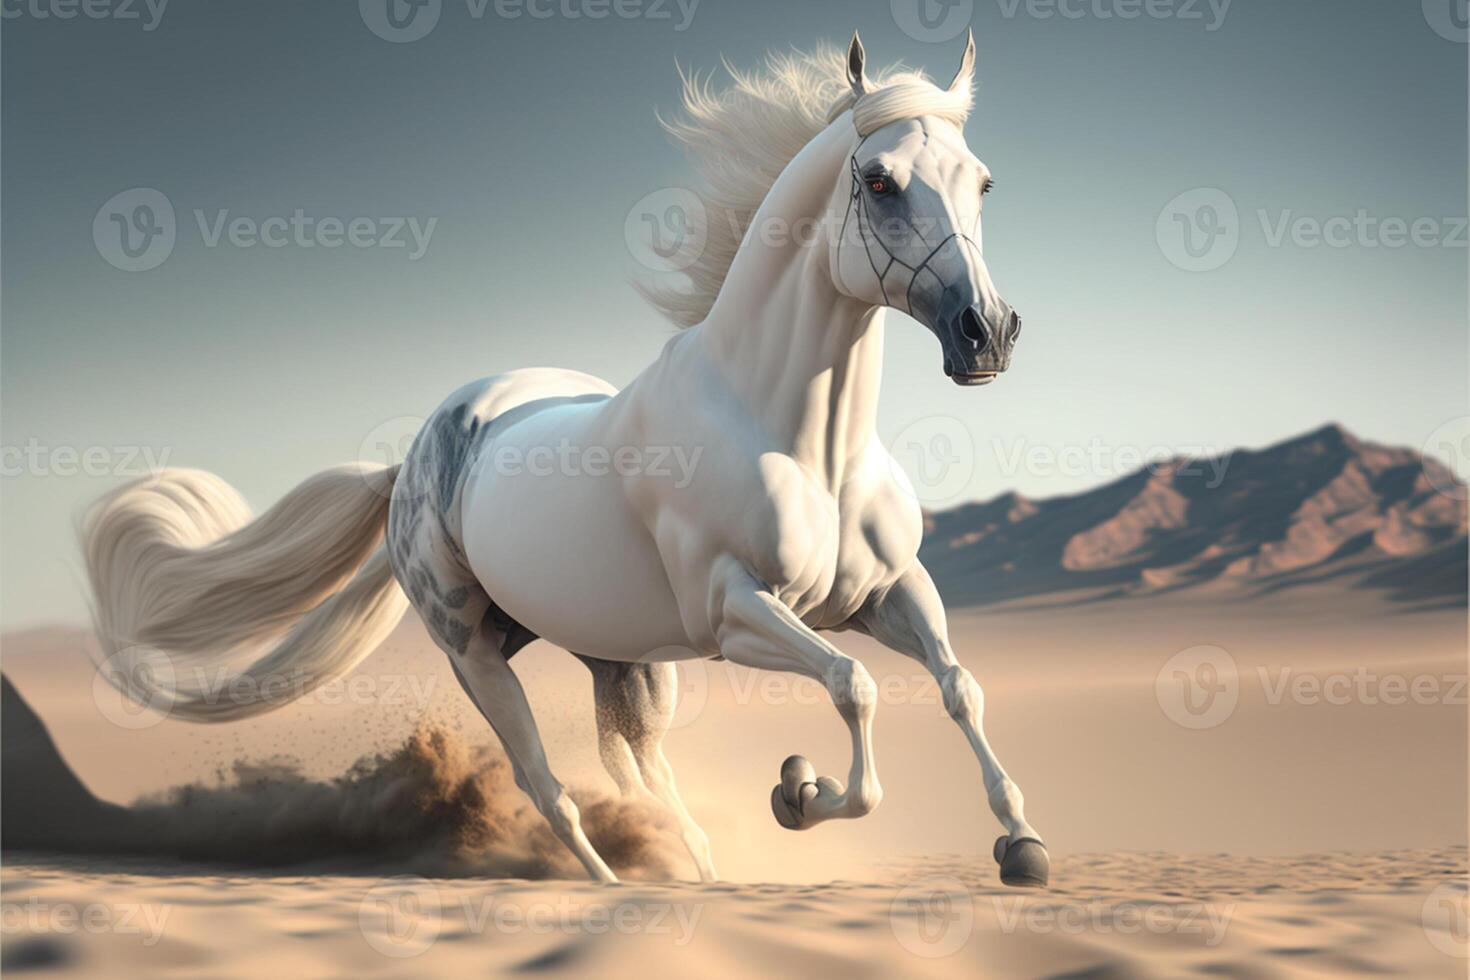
<point>207,615</point>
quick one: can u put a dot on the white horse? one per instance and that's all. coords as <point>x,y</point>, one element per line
<point>531,504</point>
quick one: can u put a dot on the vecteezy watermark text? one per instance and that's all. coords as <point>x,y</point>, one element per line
<point>1361,686</point>
<point>403,21</point>
<point>1098,458</point>
<point>147,12</point>
<point>935,21</point>
<point>136,688</point>
<point>403,917</point>
<point>136,230</point>
<point>1361,230</point>
<point>35,458</point>
<point>1109,918</point>
<point>305,231</point>
<point>34,916</point>
<point>1210,12</point>
<point>1201,229</point>
<point>1199,688</point>
<point>566,459</point>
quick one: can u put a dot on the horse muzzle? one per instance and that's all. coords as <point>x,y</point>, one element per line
<point>977,342</point>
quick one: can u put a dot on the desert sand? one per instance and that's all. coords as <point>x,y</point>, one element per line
<point>1316,828</point>
<point>1143,915</point>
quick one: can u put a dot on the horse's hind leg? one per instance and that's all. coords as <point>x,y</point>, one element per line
<point>466,631</point>
<point>423,536</point>
<point>497,692</point>
<point>635,706</point>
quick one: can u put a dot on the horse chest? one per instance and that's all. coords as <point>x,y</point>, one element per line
<point>825,554</point>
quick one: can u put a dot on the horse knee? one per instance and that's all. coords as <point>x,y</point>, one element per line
<point>852,689</point>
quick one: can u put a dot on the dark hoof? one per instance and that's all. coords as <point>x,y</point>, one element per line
<point>786,815</point>
<point>797,786</point>
<point>1023,862</point>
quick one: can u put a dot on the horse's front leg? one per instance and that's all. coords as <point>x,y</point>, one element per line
<point>755,629</point>
<point>909,618</point>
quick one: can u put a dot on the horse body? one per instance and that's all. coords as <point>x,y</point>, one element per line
<point>732,501</point>
<point>539,528</point>
<point>707,479</point>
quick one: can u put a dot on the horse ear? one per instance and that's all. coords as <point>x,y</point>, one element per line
<point>857,77</point>
<point>965,77</point>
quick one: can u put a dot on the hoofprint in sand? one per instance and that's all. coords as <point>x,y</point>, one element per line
<point>1115,915</point>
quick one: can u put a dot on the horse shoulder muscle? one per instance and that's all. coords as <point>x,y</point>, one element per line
<point>881,517</point>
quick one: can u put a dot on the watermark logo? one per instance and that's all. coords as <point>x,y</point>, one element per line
<point>571,916</point>
<point>135,687</point>
<point>1361,229</point>
<point>932,917</point>
<point>1209,12</point>
<point>1450,19</point>
<point>400,21</point>
<point>1446,919</point>
<point>932,21</point>
<point>35,458</point>
<point>1199,230</point>
<point>403,917</point>
<point>400,917</point>
<point>1451,443</point>
<point>149,13</point>
<point>934,458</point>
<point>135,230</point>
<point>745,686</point>
<point>1199,687</point>
<point>1098,458</point>
<point>691,692</point>
<point>138,687</point>
<point>666,230</point>
<point>387,445</point>
<point>691,683</point>
<point>302,230</point>
<point>676,465</point>
<point>1097,917</point>
<point>678,12</point>
<point>1362,686</point>
<point>34,916</point>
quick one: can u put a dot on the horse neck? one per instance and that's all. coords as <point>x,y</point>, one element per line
<point>805,359</point>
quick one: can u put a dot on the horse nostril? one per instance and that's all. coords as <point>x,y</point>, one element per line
<point>1015,324</point>
<point>973,329</point>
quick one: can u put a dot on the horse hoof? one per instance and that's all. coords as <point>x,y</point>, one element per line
<point>786,814</point>
<point>1023,862</point>
<point>796,772</point>
<point>798,785</point>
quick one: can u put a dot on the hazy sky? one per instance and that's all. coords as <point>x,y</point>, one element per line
<point>527,135</point>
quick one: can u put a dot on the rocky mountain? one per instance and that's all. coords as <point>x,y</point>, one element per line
<point>1325,508</point>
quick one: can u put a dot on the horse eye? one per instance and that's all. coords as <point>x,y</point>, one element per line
<point>879,185</point>
<point>987,187</point>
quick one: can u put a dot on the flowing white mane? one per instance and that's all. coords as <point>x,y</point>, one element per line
<point>741,137</point>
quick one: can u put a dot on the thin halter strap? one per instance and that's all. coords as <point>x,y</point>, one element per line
<point>857,206</point>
